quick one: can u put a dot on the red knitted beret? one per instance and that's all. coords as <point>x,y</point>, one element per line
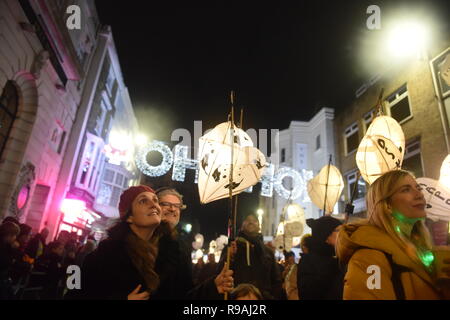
<point>127,197</point>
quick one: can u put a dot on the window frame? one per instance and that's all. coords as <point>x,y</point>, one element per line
<point>348,132</point>
<point>367,119</point>
<point>393,99</point>
<point>411,143</point>
<point>9,88</point>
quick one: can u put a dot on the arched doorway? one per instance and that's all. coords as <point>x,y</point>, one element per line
<point>8,111</point>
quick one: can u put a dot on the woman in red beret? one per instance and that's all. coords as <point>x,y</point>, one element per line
<point>122,267</point>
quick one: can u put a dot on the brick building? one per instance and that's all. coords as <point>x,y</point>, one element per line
<point>416,95</point>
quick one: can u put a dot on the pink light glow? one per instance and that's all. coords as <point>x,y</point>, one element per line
<point>72,209</point>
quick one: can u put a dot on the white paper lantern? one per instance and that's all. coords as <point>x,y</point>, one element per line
<point>382,148</point>
<point>283,243</point>
<point>221,241</point>
<point>198,243</point>
<point>215,162</point>
<point>212,246</point>
<point>437,197</point>
<point>295,220</point>
<point>444,178</point>
<point>329,181</point>
<point>198,254</point>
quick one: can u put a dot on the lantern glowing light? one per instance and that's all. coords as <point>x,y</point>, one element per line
<point>325,189</point>
<point>381,150</point>
<point>215,161</point>
<point>198,243</point>
<point>437,197</point>
<point>444,178</point>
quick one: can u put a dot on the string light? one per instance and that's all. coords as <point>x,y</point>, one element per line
<point>154,171</point>
<point>298,183</point>
<point>181,163</point>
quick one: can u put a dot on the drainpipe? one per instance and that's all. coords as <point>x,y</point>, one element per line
<point>440,101</point>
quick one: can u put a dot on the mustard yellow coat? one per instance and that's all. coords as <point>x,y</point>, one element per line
<point>361,247</point>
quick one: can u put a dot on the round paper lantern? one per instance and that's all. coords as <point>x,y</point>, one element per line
<point>437,197</point>
<point>382,148</point>
<point>327,184</point>
<point>198,243</point>
<point>295,220</point>
<point>444,178</point>
<point>215,163</point>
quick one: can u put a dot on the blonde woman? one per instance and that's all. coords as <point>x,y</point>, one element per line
<point>389,255</point>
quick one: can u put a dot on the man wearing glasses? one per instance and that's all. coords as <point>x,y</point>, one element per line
<point>174,264</point>
<point>171,203</point>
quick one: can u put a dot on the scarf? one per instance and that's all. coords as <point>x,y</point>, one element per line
<point>407,227</point>
<point>143,256</point>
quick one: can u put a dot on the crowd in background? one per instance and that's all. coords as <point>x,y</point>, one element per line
<point>144,257</point>
<point>31,267</point>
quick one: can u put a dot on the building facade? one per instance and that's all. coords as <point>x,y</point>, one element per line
<point>62,94</point>
<point>306,147</point>
<point>103,166</point>
<point>42,66</point>
<point>417,96</point>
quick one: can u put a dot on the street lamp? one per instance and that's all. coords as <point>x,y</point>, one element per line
<point>407,38</point>
<point>188,227</point>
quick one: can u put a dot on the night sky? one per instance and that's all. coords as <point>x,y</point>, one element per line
<point>180,60</point>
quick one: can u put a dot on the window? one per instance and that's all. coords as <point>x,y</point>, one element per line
<point>398,105</point>
<point>119,179</point>
<point>368,118</point>
<point>8,112</point>
<point>61,142</point>
<point>101,118</point>
<point>351,138</point>
<point>413,160</point>
<point>110,81</point>
<point>114,182</point>
<point>115,196</point>
<point>318,142</point>
<point>109,176</point>
<point>283,155</point>
<point>360,191</point>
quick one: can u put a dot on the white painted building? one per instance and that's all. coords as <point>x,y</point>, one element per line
<point>304,146</point>
<point>98,177</point>
<point>42,65</point>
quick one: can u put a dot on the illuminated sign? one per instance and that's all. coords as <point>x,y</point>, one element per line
<point>179,160</point>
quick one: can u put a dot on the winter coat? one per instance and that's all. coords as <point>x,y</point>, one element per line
<point>51,264</point>
<point>108,273</point>
<point>7,259</point>
<point>35,247</point>
<point>363,246</point>
<point>319,277</point>
<point>174,267</point>
<point>255,263</point>
<point>290,283</point>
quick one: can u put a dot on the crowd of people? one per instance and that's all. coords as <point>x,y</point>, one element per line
<point>144,257</point>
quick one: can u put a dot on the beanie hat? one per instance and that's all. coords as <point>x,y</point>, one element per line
<point>322,227</point>
<point>127,197</point>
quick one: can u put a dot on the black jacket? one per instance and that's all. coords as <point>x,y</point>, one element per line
<point>109,273</point>
<point>7,258</point>
<point>33,246</point>
<point>319,277</point>
<point>174,267</point>
<point>262,272</point>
